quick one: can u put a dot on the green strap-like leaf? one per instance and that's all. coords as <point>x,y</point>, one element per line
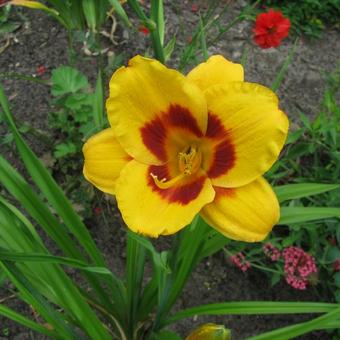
<point>293,191</point>
<point>46,258</point>
<point>253,308</point>
<point>13,315</point>
<point>22,191</point>
<point>50,189</point>
<point>34,297</point>
<point>291,215</point>
<point>98,103</point>
<point>284,68</point>
<point>294,331</point>
<point>120,12</point>
<point>134,278</point>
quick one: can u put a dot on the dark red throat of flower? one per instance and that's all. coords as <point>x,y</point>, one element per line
<point>189,162</point>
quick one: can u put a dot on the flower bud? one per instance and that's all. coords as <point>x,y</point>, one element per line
<point>210,331</point>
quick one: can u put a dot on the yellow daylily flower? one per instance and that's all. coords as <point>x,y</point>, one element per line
<point>210,331</point>
<point>181,145</point>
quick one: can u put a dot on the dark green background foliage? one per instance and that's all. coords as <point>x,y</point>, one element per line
<point>308,17</point>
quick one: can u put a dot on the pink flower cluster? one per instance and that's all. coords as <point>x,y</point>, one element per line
<point>298,266</point>
<point>271,251</point>
<point>239,261</point>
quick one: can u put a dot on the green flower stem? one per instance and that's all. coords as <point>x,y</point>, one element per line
<point>187,250</point>
<point>265,268</point>
<point>253,264</point>
<point>71,53</point>
<point>14,75</point>
<point>153,27</point>
<point>138,10</point>
<point>157,46</point>
<point>134,278</point>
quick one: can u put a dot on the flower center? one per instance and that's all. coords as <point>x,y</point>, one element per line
<point>271,30</point>
<point>189,162</point>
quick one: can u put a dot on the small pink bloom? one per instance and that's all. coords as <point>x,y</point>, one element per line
<point>239,261</point>
<point>299,266</point>
<point>271,251</point>
<point>189,39</point>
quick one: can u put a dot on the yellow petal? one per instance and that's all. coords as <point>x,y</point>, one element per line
<point>146,100</point>
<point>251,128</point>
<point>104,160</point>
<point>152,211</point>
<point>216,71</point>
<point>246,213</point>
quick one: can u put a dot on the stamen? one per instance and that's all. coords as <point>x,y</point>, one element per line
<point>189,162</point>
<point>163,184</point>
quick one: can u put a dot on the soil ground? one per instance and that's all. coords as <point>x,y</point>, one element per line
<point>41,41</point>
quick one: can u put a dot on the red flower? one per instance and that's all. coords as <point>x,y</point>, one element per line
<point>143,30</point>
<point>41,70</point>
<point>97,210</point>
<point>194,8</point>
<point>270,28</point>
<point>332,241</point>
<point>336,265</point>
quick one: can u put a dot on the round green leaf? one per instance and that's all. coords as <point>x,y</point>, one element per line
<point>66,79</point>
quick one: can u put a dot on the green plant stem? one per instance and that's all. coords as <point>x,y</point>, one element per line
<point>229,254</point>
<point>239,18</point>
<point>134,278</point>
<point>186,256</point>
<point>284,68</point>
<point>153,28</point>
<point>157,46</point>
<point>109,316</point>
<point>138,10</point>
<point>100,86</point>
<point>70,50</point>
<point>19,76</point>
<point>265,268</point>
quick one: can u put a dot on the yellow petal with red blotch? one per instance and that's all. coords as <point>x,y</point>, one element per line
<point>152,211</point>
<point>104,160</point>
<point>246,132</point>
<point>216,71</point>
<point>246,213</point>
<point>146,101</point>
